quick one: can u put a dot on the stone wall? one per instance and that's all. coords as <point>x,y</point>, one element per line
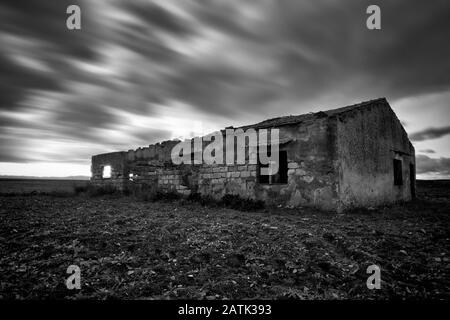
<point>119,169</point>
<point>158,153</point>
<point>368,141</point>
<point>218,180</point>
<point>165,179</point>
<point>310,179</point>
<point>335,161</point>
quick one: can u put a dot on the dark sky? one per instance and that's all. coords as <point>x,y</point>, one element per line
<point>143,71</point>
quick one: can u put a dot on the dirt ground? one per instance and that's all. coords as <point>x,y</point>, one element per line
<point>128,249</point>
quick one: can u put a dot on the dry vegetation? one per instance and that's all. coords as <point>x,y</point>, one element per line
<point>182,249</point>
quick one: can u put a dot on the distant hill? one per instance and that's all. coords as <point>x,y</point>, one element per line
<point>45,178</point>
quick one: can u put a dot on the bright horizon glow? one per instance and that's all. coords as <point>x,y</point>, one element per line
<point>106,172</point>
<point>44,169</point>
<point>59,170</point>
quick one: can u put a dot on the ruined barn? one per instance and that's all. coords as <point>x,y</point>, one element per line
<point>355,156</point>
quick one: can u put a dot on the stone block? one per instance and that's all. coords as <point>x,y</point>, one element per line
<point>293,165</point>
<point>245,174</point>
<point>236,174</point>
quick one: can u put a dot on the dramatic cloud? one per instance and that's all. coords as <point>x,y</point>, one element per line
<point>427,165</point>
<point>427,151</point>
<point>142,71</point>
<point>430,133</point>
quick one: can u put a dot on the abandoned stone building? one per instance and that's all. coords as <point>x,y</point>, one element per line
<point>355,156</point>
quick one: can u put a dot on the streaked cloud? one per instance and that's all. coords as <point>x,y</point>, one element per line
<point>430,133</point>
<point>427,151</point>
<point>143,71</point>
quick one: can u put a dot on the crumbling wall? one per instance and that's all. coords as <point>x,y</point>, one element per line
<point>158,154</point>
<point>218,180</point>
<point>310,160</point>
<point>119,169</point>
<point>311,177</point>
<point>311,180</point>
<point>164,178</point>
<point>368,140</point>
<point>151,169</point>
<point>335,160</point>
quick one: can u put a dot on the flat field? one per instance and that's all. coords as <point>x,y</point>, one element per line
<point>27,186</point>
<point>131,249</point>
